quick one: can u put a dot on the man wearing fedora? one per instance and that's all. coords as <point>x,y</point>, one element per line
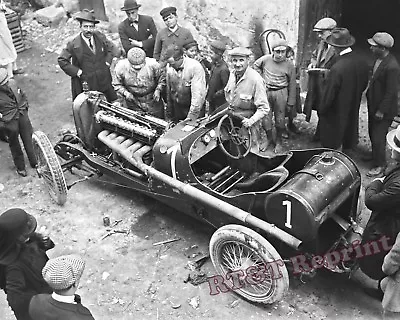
<point>15,122</point>
<point>381,98</point>
<point>219,76</point>
<point>87,58</point>
<point>137,30</point>
<point>172,35</point>
<point>382,197</point>
<point>347,79</point>
<point>322,59</point>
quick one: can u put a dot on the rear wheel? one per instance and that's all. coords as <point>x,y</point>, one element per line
<point>249,264</point>
<point>49,168</point>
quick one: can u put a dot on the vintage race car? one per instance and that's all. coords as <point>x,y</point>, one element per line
<point>304,200</point>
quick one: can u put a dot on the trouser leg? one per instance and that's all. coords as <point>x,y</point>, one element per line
<point>15,147</point>
<point>26,131</point>
<point>378,141</point>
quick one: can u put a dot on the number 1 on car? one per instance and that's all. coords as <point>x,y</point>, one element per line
<point>288,205</point>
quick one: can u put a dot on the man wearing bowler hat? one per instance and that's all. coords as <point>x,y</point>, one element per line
<point>347,79</point>
<point>87,58</point>
<point>137,30</point>
<point>381,98</point>
<point>172,35</point>
<point>219,76</point>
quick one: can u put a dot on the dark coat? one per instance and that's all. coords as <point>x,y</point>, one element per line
<point>321,58</point>
<point>77,55</point>
<point>11,102</point>
<point>383,88</point>
<point>23,278</point>
<point>383,199</point>
<point>44,307</point>
<point>218,79</point>
<point>339,110</point>
<point>146,33</point>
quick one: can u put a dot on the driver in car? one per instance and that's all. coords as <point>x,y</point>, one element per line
<point>245,92</point>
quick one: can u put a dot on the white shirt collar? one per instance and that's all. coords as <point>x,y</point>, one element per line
<point>65,299</point>
<point>174,29</point>
<point>347,50</point>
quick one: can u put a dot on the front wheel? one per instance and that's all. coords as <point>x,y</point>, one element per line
<point>49,168</point>
<point>249,264</point>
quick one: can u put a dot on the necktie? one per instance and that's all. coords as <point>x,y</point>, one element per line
<point>91,44</point>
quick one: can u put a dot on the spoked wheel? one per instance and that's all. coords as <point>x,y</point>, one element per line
<point>234,141</point>
<point>249,264</point>
<point>49,168</point>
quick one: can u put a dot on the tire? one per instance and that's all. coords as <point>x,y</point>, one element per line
<point>49,168</point>
<point>235,248</point>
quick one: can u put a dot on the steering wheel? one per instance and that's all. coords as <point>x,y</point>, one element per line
<point>239,138</point>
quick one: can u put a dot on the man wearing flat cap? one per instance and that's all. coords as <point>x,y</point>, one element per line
<point>63,275</point>
<point>322,59</point>
<point>279,75</point>
<point>186,86</point>
<point>137,30</point>
<point>245,92</point>
<point>172,35</point>
<point>139,80</point>
<point>381,98</point>
<point>340,105</point>
<point>22,258</point>
<point>87,58</point>
<point>219,76</point>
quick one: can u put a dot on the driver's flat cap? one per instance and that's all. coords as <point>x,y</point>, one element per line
<point>325,24</point>
<point>239,52</point>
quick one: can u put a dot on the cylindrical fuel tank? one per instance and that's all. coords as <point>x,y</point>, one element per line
<point>295,207</point>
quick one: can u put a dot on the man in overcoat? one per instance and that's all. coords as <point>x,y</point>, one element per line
<point>322,59</point>
<point>137,30</point>
<point>172,35</point>
<point>87,59</point>
<point>347,79</point>
<point>382,98</point>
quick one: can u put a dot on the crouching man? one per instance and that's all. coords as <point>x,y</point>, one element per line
<point>186,86</point>
<point>139,80</point>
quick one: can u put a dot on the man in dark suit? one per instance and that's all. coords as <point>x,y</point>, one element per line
<point>382,98</point>
<point>137,30</point>
<point>322,59</point>
<point>87,59</point>
<point>347,79</point>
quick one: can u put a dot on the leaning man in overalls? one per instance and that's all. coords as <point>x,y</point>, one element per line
<point>186,87</point>
<point>245,92</point>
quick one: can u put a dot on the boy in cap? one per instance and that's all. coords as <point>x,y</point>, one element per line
<point>245,92</point>
<point>22,258</point>
<point>191,50</point>
<point>63,275</point>
<point>140,81</point>
<point>280,80</point>
<point>137,30</point>
<point>87,58</point>
<point>172,35</point>
<point>14,120</point>
<point>322,59</point>
<point>186,86</point>
<point>381,98</point>
<point>218,77</point>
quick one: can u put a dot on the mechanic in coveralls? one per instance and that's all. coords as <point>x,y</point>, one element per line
<point>245,92</point>
<point>186,86</point>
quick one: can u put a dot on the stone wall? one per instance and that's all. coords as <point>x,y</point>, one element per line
<point>236,21</point>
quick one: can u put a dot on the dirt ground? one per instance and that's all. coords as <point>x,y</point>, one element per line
<point>126,277</point>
